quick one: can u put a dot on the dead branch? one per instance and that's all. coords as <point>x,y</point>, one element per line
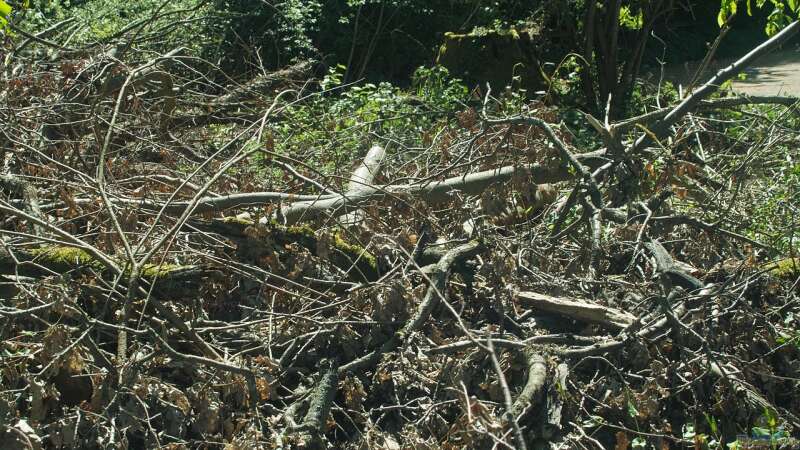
<point>537,377</point>
<point>363,178</point>
<point>313,426</point>
<point>577,310</point>
<point>431,192</point>
<point>438,285</point>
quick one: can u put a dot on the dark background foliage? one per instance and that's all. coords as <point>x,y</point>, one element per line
<point>384,40</point>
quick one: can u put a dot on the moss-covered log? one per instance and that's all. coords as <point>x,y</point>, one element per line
<point>170,279</point>
<point>356,260</point>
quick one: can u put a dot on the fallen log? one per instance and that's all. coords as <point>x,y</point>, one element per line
<point>169,279</point>
<point>578,310</point>
<point>431,192</point>
<point>354,259</point>
<point>363,178</point>
<point>308,207</point>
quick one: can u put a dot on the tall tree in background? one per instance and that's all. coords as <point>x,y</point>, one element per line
<point>612,74</point>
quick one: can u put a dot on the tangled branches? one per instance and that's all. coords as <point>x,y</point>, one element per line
<point>172,277</point>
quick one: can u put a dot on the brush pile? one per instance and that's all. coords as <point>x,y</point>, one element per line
<point>170,277</point>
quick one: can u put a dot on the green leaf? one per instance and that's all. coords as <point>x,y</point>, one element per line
<point>727,8</point>
<point>761,432</point>
<point>712,423</point>
<point>772,419</point>
<point>632,411</point>
<point>630,20</point>
<point>5,13</point>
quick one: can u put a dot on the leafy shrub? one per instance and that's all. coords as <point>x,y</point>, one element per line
<point>331,129</point>
<point>177,23</point>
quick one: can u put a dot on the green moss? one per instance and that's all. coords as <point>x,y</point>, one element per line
<point>302,229</point>
<point>345,255</point>
<point>233,225</point>
<point>494,56</point>
<point>66,256</point>
<point>299,231</point>
<point>785,268</point>
<point>236,220</point>
<point>301,234</point>
<point>482,32</point>
<point>73,257</point>
<point>365,262</point>
<point>153,271</point>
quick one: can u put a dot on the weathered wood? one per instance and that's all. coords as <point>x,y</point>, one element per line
<point>537,377</point>
<point>668,270</point>
<point>431,192</point>
<point>577,309</point>
<point>363,178</point>
<point>313,426</point>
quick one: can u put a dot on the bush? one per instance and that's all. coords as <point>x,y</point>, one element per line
<point>331,129</point>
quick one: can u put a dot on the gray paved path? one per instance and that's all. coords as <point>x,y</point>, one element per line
<point>774,74</point>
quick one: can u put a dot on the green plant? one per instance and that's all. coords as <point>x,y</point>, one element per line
<point>775,215</point>
<point>437,87</point>
<point>154,24</point>
<point>5,15</point>
<point>768,432</point>
<point>331,127</point>
<point>782,14</point>
<point>790,339</point>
